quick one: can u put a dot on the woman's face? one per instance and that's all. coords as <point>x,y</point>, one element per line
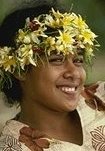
<point>57,84</point>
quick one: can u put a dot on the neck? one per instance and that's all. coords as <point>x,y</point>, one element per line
<point>46,120</point>
<point>58,125</point>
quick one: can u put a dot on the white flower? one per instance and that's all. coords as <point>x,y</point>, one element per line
<point>34,38</point>
<point>27,39</point>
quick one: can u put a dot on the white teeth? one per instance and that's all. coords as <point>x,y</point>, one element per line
<point>68,89</point>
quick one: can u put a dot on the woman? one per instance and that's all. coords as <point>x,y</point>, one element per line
<point>42,68</point>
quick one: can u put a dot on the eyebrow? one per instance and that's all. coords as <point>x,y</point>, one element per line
<point>56,55</point>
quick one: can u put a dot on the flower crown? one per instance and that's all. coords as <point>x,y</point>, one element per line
<point>63,32</point>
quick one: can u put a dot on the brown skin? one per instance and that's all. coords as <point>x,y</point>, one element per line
<point>45,106</point>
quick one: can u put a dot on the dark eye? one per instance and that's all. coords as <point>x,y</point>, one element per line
<point>78,61</point>
<point>56,60</point>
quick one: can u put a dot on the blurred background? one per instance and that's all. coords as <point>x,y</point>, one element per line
<point>91,10</point>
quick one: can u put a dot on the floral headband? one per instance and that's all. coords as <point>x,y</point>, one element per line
<point>65,33</point>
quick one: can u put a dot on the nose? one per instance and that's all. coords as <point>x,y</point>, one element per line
<point>71,71</point>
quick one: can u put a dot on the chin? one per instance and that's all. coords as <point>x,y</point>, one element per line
<point>72,106</point>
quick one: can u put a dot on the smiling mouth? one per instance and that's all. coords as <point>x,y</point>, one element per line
<point>68,90</point>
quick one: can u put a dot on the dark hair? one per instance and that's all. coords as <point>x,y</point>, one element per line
<point>8,30</point>
<point>16,20</point>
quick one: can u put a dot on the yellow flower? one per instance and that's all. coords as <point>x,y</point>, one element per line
<point>80,23</point>
<point>59,48</point>
<point>50,41</point>
<point>27,39</point>
<point>25,55</point>
<point>65,50</point>
<point>57,14</point>
<point>68,19</point>
<point>21,35</point>
<point>65,38</point>
<point>7,60</point>
<point>88,36</point>
<point>8,63</point>
<point>89,50</point>
<point>52,22</point>
<point>50,44</point>
<point>34,38</point>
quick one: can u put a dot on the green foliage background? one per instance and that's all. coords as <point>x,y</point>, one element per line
<point>94,13</point>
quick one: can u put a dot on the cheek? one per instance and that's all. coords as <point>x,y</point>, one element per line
<point>50,75</point>
<point>44,80</point>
